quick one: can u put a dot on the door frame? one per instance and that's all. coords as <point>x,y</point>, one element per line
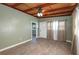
<point>36,29</point>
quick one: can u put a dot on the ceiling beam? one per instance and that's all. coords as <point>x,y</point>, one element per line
<point>55,16</point>
<point>42,5</point>
<point>69,11</point>
<point>16,4</point>
<point>60,8</point>
<point>59,12</point>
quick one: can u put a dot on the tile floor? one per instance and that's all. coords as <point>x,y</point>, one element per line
<point>40,47</point>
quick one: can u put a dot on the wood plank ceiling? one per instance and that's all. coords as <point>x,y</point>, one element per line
<point>48,9</point>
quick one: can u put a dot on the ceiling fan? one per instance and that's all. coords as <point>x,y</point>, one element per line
<point>39,13</point>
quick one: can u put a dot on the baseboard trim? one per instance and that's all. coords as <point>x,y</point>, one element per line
<point>14,45</point>
<point>68,41</point>
<point>41,37</point>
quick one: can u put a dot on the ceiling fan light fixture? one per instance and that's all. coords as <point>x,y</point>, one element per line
<point>39,14</point>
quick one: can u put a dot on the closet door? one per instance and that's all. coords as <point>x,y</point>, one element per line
<point>61,31</point>
<point>43,29</point>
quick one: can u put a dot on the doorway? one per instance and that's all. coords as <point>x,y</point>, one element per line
<point>33,31</point>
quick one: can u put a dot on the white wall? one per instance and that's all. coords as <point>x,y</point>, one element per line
<point>75,16</point>
<point>43,29</point>
<point>15,26</point>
